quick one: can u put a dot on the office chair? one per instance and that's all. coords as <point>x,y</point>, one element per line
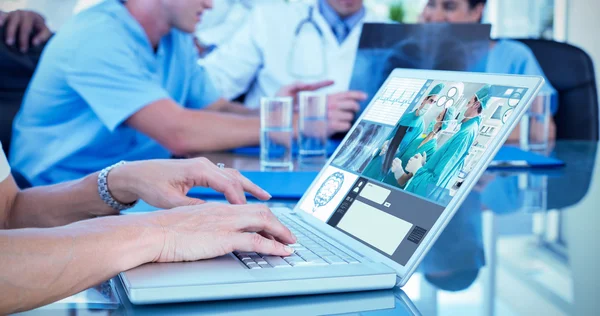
<point>571,71</point>
<point>16,70</point>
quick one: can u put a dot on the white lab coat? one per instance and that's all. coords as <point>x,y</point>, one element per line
<point>256,58</point>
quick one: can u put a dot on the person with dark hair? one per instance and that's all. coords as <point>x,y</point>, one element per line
<point>505,56</point>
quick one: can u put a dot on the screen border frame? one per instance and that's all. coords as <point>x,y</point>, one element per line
<point>533,84</point>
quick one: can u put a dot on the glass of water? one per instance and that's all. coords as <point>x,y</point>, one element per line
<point>276,132</point>
<point>312,131</point>
<point>535,124</point>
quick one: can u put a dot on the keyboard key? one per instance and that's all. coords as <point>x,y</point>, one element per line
<point>301,263</point>
<point>255,257</point>
<point>291,260</point>
<point>317,261</point>
<point>253,266</point>
<point>276,262</point>
<point>334,260</point>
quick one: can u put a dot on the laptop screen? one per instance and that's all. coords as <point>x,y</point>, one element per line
<point>406,158</point>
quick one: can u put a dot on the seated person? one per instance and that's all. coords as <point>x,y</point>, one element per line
<point>120,81</point>
<point>59,240</point>
<point>506,56</point>
<point>279,44</point>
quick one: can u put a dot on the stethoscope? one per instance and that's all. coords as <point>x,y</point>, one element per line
<point>308,21</point>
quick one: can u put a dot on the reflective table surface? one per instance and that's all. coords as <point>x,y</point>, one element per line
<point>525,242</point>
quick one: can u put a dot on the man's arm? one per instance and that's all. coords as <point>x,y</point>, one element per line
<point>223,105</point>
<point>184,131</point>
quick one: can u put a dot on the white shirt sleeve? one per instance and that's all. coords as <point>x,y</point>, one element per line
<point>233,66</point>
<point>4,167</point>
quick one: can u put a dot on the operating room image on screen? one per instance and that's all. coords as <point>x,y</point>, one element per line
<point>361,146</point>
<point>439,137</point>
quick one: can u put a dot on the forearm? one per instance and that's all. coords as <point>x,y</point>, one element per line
<point>58,204</point>
<point>404,179</point>
<point>201,131</point>
<point>232,107</point>
<point>41,266</point>
<point>64,203</point>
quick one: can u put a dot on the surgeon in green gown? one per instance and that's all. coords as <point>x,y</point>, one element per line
<point>413,121</point>
<point>409,127</point>
<point>430,177</point>
<point>425,145</point>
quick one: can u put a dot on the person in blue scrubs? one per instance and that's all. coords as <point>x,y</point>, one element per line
<point>426,145</point>
<point>409,127</point>
<point>431,178</point>
<point>120,81</point>
<point>505,57</point>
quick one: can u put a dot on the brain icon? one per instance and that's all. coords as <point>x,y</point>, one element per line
<point>330,187</point>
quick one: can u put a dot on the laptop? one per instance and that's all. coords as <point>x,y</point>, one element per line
<point>359,225</point>
<point>393,302</point>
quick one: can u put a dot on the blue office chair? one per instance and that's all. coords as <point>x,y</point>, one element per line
<point>571,71</point>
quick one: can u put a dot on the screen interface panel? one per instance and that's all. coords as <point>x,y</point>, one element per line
<point>405,160</point>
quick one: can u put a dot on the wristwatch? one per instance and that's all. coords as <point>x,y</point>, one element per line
<point>104,192</point>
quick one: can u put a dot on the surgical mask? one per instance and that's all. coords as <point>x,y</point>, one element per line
<point>425,109</point>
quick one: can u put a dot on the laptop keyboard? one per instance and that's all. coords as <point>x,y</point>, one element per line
<point>310,250</point>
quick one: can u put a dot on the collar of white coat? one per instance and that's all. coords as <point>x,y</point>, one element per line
<point>370,16</point>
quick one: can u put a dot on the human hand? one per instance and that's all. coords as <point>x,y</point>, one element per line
<point>23,24</point>
<point>397,168</point>
<point>416,162</point>
<point>341,109</point>
<point>384,148</point>
<point>213,229</point>
<point>292,90</point>
<point>165,183</point>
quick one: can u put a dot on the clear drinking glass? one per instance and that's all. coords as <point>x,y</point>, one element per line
<point>276,131</point>
<point>312,131</point>
<point>535,124</point>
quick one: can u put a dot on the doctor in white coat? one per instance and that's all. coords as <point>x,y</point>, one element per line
<point>283,43</point>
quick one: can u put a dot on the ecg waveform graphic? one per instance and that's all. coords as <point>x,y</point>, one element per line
<point>397,95</point>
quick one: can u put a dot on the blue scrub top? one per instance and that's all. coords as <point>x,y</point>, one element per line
<point>93,75</point>
<point>511,57</point>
